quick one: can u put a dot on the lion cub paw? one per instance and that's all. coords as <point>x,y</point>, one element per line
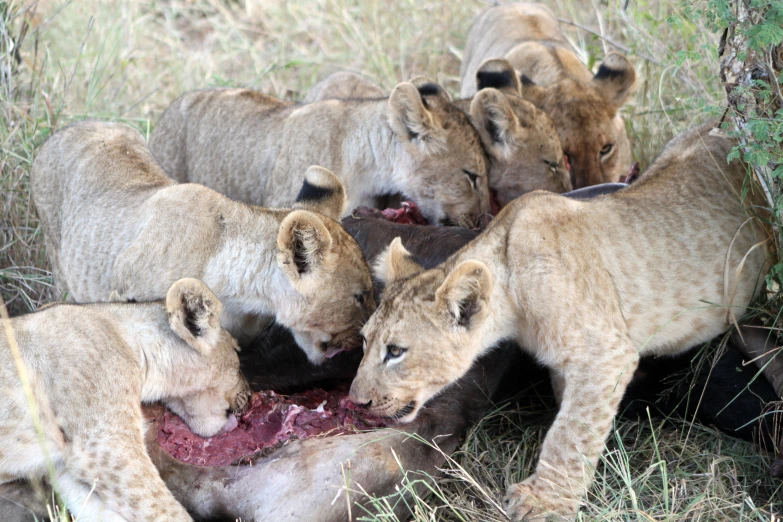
<point>534,500</point>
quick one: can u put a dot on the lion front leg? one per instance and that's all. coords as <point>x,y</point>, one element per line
<point>112,465</point>
<point>594,383</point>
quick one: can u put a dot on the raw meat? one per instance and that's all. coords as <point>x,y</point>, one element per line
<point>408,214</point>
<point>270,421</point>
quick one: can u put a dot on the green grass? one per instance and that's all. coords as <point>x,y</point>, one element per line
<point>126,60</point>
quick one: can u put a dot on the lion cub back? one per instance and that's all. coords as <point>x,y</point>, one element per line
<point>252,148</point>
<point>87,181</point>
<point>191,124</point>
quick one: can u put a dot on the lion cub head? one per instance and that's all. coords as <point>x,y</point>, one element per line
<point>584,114</point>
<point>446,170</point>
<point>326,268</point>
<point>522,142</point>
<point>194,315</point>
<point>424,334</point>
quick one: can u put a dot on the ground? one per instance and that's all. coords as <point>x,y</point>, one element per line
<point>125,60</point>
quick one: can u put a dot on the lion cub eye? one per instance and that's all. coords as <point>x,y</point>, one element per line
<point>551,164</point>
<point>359,299</point>
<point>393,352</point>
<point>606,149</point>
<point>472,177</point>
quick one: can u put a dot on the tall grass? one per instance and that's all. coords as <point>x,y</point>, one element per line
<point>126,60</point>
<point>62,61</point>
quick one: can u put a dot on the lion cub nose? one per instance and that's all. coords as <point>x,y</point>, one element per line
<point>358,399</point>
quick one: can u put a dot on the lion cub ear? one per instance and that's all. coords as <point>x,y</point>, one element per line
<point>194,314</point>
<point>395,263</point>
<point>412,122</point>
<point>432,94</point>
<point>303,243</point>
<point>498,73</point>
<point>465,293</point>
<point>322,192</point>
<point>615,78</point>
<point>496,122</point>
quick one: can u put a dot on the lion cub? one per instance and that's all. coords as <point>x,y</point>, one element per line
<point>251,148</point>
<point>90,368</point>
<point>587,287</point>
<point>583,106</point>
<point>521,141</point>
<point>116,227</point>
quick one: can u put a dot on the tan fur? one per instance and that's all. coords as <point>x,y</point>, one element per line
<point>526,156</point>
<point>91,367</point>
<point>344,85</point>
<point>251,147</point>
<point>585,286</point>
<point>522,142</point>
<point>583,106</point>
<point>116,227</point>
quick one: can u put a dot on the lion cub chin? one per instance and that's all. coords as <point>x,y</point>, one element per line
<point>90,367</point>
<point>586,287</point>
<point>251,147</point>
<point>520,140</point>
<point>117,228</point>
<point>582,105</point>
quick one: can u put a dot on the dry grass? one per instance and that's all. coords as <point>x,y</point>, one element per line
<point>653,470</point>
<point>125,60</point>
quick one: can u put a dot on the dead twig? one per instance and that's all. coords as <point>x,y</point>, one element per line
<point>608,40</point>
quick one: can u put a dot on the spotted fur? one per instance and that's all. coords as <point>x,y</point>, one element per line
<point>90,368</point>
<point>586,287</point>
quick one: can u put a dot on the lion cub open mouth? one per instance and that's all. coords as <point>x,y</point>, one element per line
<point>270,421</point>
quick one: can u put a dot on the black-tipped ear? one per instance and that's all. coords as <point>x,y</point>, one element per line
<point>321,192</point>
<point>432,94</point>
<point>615,79</point>
<point>412,122</point>
<point>498,74</point>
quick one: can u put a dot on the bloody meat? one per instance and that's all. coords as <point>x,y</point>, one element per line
<point>407,214</point>
<point>270,421</point>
